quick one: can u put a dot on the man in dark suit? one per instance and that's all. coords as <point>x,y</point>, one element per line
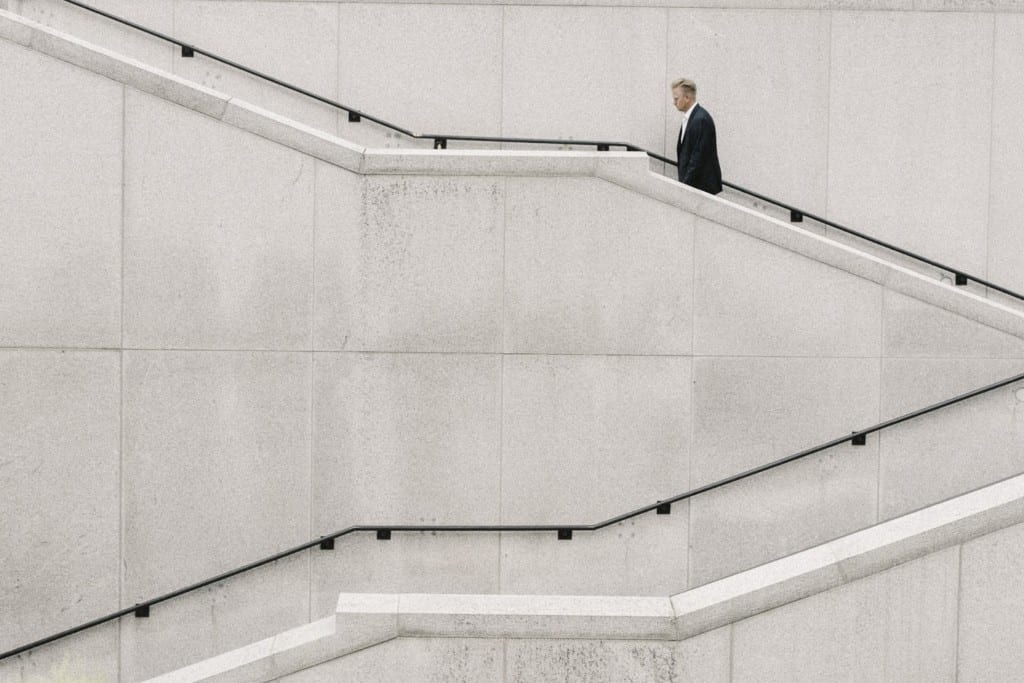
<point>696,148</point>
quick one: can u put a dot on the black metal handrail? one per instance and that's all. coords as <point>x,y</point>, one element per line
<point>441,140</point>
<point>564,531</point>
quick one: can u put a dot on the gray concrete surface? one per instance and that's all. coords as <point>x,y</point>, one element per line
<point>64,187</point>
<point>221,378</point>
<point>395,272</point>
<point>991,611</point>
<point>783,78</point>
<point>218,234</point>
<point>59,427</point>
<point>910,599</point>
<point>624,278</point>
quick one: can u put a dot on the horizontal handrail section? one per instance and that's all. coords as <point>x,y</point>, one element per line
<point>564,531</point>
<point>960,277</point>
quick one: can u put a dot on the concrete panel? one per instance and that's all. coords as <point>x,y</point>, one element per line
<point>90,656</point>
<point>406,439</point>
<point>899,625</point>
<point>966,6</point>
<point>60,266</point>
<point>244,609</point>
<point>912,328</point>
<point>585,439</point>
<point>642,556</point>
<point>558,69</point>
<point>704,659</point>
<point>754,298</point>
<point>430,660</point>
<point>848,558</point>
<point>992,608</point>
<point>59,487</point>
<point>1005,247</point>
<point>749,411</point>
<point>295,42</point>
<point>908,161</point>
<point>93,28</point>
<point>408,563</point>
<point>408,263</point>
<point>218,234</point>
<point>594,268</point>
<point>534,616</point>
<point>776,513</point>
<point>217,464</point>
<point>763,76</point>
<point>590,437</point>
<point>953,450</point>
<point>428,68</point>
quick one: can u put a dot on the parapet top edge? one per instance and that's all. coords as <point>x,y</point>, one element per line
<point>848,558</point>
<point>733,598</point>
<point>296,135</point>
<point>515,606</point>
<point>630,170</point>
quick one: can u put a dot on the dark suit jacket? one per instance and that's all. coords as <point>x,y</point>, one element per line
<point>698,153</point>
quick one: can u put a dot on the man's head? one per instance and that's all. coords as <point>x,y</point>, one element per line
<point>684,93</point>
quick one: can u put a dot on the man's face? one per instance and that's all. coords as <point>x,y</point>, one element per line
<point>682,99</point>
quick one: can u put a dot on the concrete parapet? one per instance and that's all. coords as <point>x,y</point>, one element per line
<point>312,334</point>
<point>942,185</point>
<point>851,557</point>
<point>290,651</point>
<point>898,574</point>
<point>543,616</point>
<point>628,169</point>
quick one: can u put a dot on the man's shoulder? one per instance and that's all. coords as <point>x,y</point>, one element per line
<point>702,116</point>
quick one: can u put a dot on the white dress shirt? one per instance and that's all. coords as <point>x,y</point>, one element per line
<point>686,120</point>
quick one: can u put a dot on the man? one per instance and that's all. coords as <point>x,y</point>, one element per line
<point>696,149</point>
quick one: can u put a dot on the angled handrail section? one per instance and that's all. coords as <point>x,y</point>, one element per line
<point>441,140</point>
<point>564,531</point>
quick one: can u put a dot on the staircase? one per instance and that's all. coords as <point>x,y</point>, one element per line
<point>887,603</point>
<point>226,333</point>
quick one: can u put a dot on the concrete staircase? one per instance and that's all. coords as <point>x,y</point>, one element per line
<point>571,334</point>
<point>910,600</point>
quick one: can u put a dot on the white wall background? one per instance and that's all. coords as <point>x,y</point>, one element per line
<point>951,615</point>
<point>897,117</point>
<point>215,347</point>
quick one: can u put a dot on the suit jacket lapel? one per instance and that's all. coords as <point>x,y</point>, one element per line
<point>689,123</point>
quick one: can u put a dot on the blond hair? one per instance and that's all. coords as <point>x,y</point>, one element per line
<point>686,84</point>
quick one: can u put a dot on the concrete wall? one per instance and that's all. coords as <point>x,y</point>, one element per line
<point>838,611</point>
<point>952,615</point>
<point>217,347</point>
<point>897,117</point>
